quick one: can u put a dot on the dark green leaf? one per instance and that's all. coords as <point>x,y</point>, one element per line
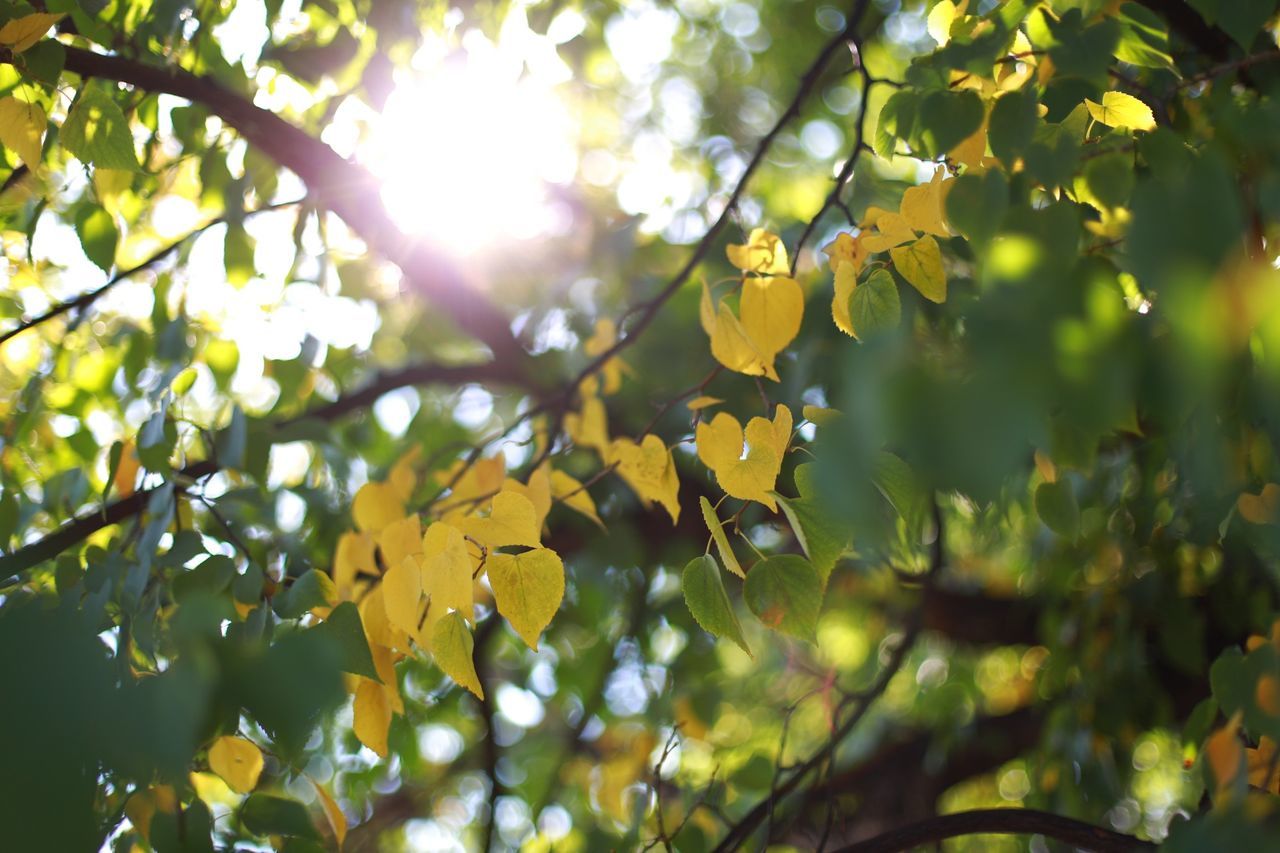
<point>785,593</point>
<point>265,814</point>
<point>1056,505</point>
<point>874,306</point>
<point>707,600</point>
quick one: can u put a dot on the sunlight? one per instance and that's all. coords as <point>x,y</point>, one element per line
<point>473,142</point>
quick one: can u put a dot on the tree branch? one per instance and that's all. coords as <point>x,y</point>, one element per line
<point>808,82</point>
<point>84,526</point>
<point>1083,835</point>
<point>337,184</point>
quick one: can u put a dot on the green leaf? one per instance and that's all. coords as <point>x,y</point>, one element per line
<point>705,596</point>
<point>1109,178</point>
<point>1144,39</point>
<point>1056,505</point>
<point>823,539</point>
<point>901,487</point>
<point>313,589</point>
<point>98,236</point>
<point>1240,19</point>
<point>347,631</point>
<point>265,814</point>
<point>211,577</point>
<point>1012,125</point>
<point>897,121</point>
<point>875,306</point>
<point>785,593</point>
<point>977,204</point>
<point>948,118</point>
<point>97,132</point>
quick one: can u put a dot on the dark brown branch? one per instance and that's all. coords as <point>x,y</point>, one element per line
<point>808,82</point>
<point>1083,835</point>
<point>1186,21</point>
<point>84,526</point>
<point>337,184</point>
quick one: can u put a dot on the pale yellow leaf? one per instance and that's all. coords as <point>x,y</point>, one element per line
<point>772,309</point>
<point>922,205</point>
<point>537,490</point>
<point>1119,109</point>
<point>333,814</point>
<point>749,477</point>
<point>589,427</point>
<point>570,492</point>
<point>372,716</point>
<point>732,347</point>
<point>126,477</point>
<point>649,470</point>
<point>939,21</point>
<point>237,761</point>
<point>512,521</point>
<point>399,539</point>
<point>891,230</point>
<point>921,265</point>
<point>384,664</point>
<point>22,129</point>
<point>846,248</point>
<point>846,283</point>
<point>528,589</point>
<point>697,404</point>
<point>972,151</point>
<point>402,594</point>
<point>763,254</point>
<point>20,33</point>
<point>446,577</point>
<point>453,646</point>
<point>401,477</point>
<point>375,506</point>
<point>353,557</point>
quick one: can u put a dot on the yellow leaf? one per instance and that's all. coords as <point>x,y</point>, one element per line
<point>512,521</point>
<point>1225,754</point>
<point>570,492</point>
<point>846,283</point>
<point>337,820</point>
<point>763,254</point>
<point>1267,694</point>
<point>446,577</point>
<point>237,761</point>
<point>771,309</point>
<point>606,335</point>
<point>453,646</point>
<point>921,265</point>
<point>940,19</point>
<point>782,425</point>
<point>922,206</point>
<point>377,628</point>
<point>819,415</point>
<point>537,490</point>
<point>353,557</point>
<point>399,539</point>
<point>707,311</point>
<point>480,480</point>
<point>372,716</point>
<point>649,470</point>
<point>712,520</point>
<point>720,446</point>
<point>700,403</point>
<point>528,589</point>
<point>972,151</point>
<point>401,477</point>
<point>846,248</point>
<point>1119,109</point>
<point>1262,508</point>
<point>375,506</point>
<point>590,426</point>
<point>20,33</point>
<point>1262,767</point>
<point>732,347</point>
<point>892,230</point>
<point>127,471</point>
<point>402,594</point>
<point>142,806</point>
<point>384,664</point>
<point>22,129</point>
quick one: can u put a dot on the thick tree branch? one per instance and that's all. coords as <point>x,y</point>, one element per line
<point>337,184</point>
<point>1083,835</point>
<point>84,526</point>
<point>1186,21</point>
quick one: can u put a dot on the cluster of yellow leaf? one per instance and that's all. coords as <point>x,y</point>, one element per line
<point>909,237</point>
<point>22,124</point>
<point>646,466</point>
<point>416,588</point>
<point>1227,756</point>
<point>749,475</point>
<point>770,308</point>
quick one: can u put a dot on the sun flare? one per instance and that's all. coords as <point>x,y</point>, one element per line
<point>471,146</point>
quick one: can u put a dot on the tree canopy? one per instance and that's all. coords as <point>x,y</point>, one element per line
<point>584,425</point>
